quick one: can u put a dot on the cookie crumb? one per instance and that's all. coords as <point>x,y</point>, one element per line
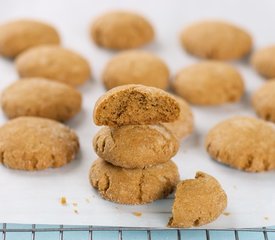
<point>63,201</point>
<point>226,213</point>
<point>266,218</point>
<point>87,200</point>
<point>75,204</point>
<point>137,214</point>
<point>75,211</point>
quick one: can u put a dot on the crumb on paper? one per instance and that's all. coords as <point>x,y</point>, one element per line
<point>226,213</point>
<point>266,218</point>
<point>75,211</point>
<point>75,204</point>
<point>137,214</point>
<point>63,201</point>
<point>87,200</point>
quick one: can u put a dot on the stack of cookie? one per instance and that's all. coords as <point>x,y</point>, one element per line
<point>135,150</point>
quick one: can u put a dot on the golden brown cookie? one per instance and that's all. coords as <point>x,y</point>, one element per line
<point>135,146</point>
<point>42,98</point>
<point>133,186</point>
<point>136,67</point>
<point>244,143</point>
<point>263,101</point>
<point>184,125</point>
<point>54,63</point>
<point>135,104</point>
<point>209,83</point>
<point>121,30</point>
<point>33,143</point>
<point>216,40</point>
<point>263,61</point>
<point>198,201</point>
<point>19,35</point>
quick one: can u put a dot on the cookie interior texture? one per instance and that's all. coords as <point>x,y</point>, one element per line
<point>244,143</point>
<point>197,201</point>
<point>135,104</point>
<point>133,186</point>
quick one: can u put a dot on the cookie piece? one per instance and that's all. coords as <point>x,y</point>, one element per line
<point>263,101</point>
<point>136,67</point>
<point>135,146</point>
<point>209,83</point>
<point>135,105</point>
<point>197,201</point>
<point>121,30</point>
<point>42,98</point>
<point>244,143</point>
<point>216,40</point>
<point>54,63</point>
<point>33,143</point>
<point>133,186</point>
<point>17,36</point>
<point>184,125</point>
<point>263,61</point>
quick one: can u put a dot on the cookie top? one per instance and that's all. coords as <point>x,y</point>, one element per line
<point>42,98</point>
<point>133,186</point>
<point>184,125</point>
<point>136,67</point>
<point>244,143</point>
<point>216,40</point>
<point>263,101</point>
<point>197,201</point>
<point>135,104</point>
<point>17,36</point>
<point>135,146</point>
<point>33,143</point>
<point>54,62</point>
<point>121,30</point>
<point>263,61</point>
<point>209,83</point>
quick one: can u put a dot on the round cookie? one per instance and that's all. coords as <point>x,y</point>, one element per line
<point>197,201</point>
<point>244,143</point>
<point>136,67</point>
<point>42,98</point>
<point>209,83</point>
<point>121,30</point>
<point>17,36</point>
<point>216,40</point>
<point>54,62</point>
<point>263,101</point>
<point>133,186</point>
<point>33,143</point>
<point>184,125</point>
<point>135,146</point>
<point>263,61</point>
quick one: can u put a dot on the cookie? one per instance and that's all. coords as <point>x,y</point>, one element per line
<point>216,40</point>
<point>33,143</point>
<point>197,201</point>
<point>243,143</point>
<point>135,146</point>
<point>263,101</point>
<point>184,125</point>
<point>42,98</point>
<point>54,63</point>
<point>263,61</point>
<point>209,83</point>
<point>121,30</point>
<point>133,186</point>
<point>19,35</point>
<point>135,105</point>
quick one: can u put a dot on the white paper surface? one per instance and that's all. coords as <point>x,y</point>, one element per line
<point>33,197</point>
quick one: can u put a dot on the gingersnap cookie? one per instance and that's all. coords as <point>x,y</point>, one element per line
<point>54,63</point>
<point>184,125</point>
<point>135,146</point>
<point>263,61</point>
<point>135,105</point>
<point>33,143</point>
<point>263,101</point>
<point>197,201</point>
<point>42,98</point>
<point>216,40</point>
<point>244,143</point>
<point>17,36</point>
<point>121,30</point>
<point>136,67</point>
<point>133,186</point>
<point>209,83</point>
